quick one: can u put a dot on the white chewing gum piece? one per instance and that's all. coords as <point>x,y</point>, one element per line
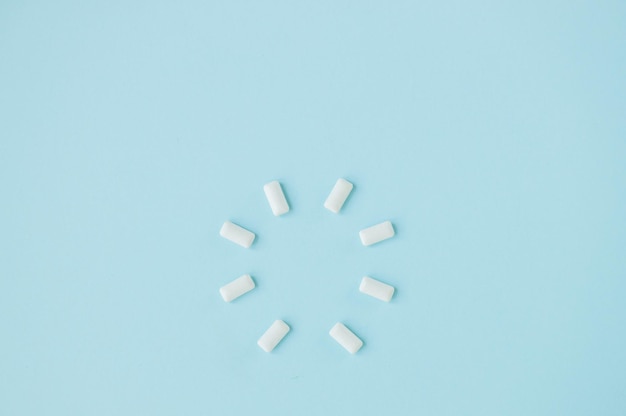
<point>338,195</point>
<point>376,289</point>
<point>377,233</point>
<point>276,198</point>
<point>237,287</point>
<point>274,334</point>
<point>237,234</point>
<point>346,338</point>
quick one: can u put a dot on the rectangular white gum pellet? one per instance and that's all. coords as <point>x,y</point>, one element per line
<point>237,234</point>
<point>338,195</point>
<point>274,334</point>
<point>376,233</point>
<point>276,198</point>
<point>237,287</point>
<point>376,288</point>
<point>346,338</point>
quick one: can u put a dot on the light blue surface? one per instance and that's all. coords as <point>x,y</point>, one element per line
<point>493,135</point>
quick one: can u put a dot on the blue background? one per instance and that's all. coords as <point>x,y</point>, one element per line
<point>491,133</point>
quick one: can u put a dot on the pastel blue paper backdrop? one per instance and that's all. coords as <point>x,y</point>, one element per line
<point>491,133</point>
